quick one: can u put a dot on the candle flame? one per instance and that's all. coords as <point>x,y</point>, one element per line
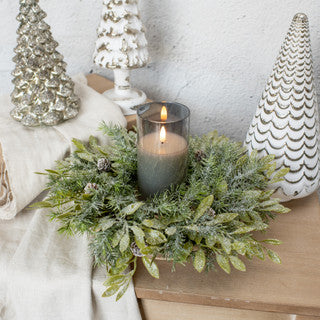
<point>163,134</point>
<point>164,114</point>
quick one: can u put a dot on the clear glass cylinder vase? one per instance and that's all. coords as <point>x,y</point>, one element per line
<point>163,142</point>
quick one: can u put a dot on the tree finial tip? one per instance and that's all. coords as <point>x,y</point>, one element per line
<point>300,17</point>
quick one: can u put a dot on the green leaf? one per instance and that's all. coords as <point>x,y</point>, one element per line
<point>211,241</point>
<point>272,167</point>
<point>85,156</point>
<point>255,216</point>
<point>269,203</point>
<point>155,237</point>
<point>199,261</point>
<point>124,242</point>
<point>149,250</point>
<point>240,247</point>
<point>257,251</point>
<point>122,291</point>
<point>171,231</point>
<point>53,172</point>
<point>245,217</point>
<point>224,217</point>
<point>279,175</point>
<point>93,142</point>
<point>223,263</point>
<point>275,242</point>
<point>251,194</point>
<point>138,236</point>
<point>274,256</point>
<point>254,249</point>
<point>117,237</point>
<point>79,145</point>
<point>245,229</point>
<point>151,267</point>
<point>120,269</point>
<point>114,280</point>
<point>138,232</point>
<point>225,244</point>
<point>237,263</point>
<point>187,249</point>
<point>123,262</point>
<point>131,209</point>
<point>267,160</point>
<point>66,214</point>
<point>259,225</point>
<point>42,204</point>
<point>265,195</point>
<point>153,223</point>
<point>254,154</point>
<point>277,208</point>
<point>106,223</point>
<point>111,291</point>
<point>204,205</point>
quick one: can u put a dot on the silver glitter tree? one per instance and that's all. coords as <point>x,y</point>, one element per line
<point>43,93</point>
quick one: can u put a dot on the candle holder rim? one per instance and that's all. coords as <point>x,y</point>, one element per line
<point>188,112</point>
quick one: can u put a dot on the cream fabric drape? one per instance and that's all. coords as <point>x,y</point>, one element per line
<point>48,276</point>
<point>45,275</point>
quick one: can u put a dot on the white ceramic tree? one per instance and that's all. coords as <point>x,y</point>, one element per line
<point>286,122</point>
<point>122,46</point>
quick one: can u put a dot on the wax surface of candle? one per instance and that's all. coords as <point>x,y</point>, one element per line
<point>161,164</point>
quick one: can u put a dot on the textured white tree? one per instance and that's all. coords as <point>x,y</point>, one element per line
<point>121,46</point>
<point>286,122</point>
<point>43,92</point>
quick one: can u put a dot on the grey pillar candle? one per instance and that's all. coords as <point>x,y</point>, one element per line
<point>162,146</point>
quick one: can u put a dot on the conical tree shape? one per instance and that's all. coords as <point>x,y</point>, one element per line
<point>43,93</point>
<point>286,122</point>
<point>121,39</point>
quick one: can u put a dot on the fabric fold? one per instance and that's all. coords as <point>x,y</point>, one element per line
<point>50,277</point>
<point>43,274</point>
<point>25,151</point>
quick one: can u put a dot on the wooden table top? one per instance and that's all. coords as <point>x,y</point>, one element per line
<point>292,287</point>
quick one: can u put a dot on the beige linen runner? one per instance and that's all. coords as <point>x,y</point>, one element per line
<point>45,275</point>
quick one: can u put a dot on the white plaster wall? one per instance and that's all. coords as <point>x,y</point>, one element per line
<point>212,55</point>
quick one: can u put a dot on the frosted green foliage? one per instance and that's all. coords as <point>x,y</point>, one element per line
<point>208,220</point>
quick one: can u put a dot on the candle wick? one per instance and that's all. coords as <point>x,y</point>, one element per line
<point>162,142</point>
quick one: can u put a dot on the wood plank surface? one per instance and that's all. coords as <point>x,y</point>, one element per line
<point>164,310</point>
<point>292,287</point>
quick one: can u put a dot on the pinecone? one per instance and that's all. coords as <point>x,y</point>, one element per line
<point>212,212</point>
<point>200,155</point>
<point>136,250</point>
<point>89,187</point>
<point>104,164</point>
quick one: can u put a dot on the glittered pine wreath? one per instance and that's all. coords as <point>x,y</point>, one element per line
<point>208,220</point>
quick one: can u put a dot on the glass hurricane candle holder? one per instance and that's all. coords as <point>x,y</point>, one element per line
<point>163,140</point>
